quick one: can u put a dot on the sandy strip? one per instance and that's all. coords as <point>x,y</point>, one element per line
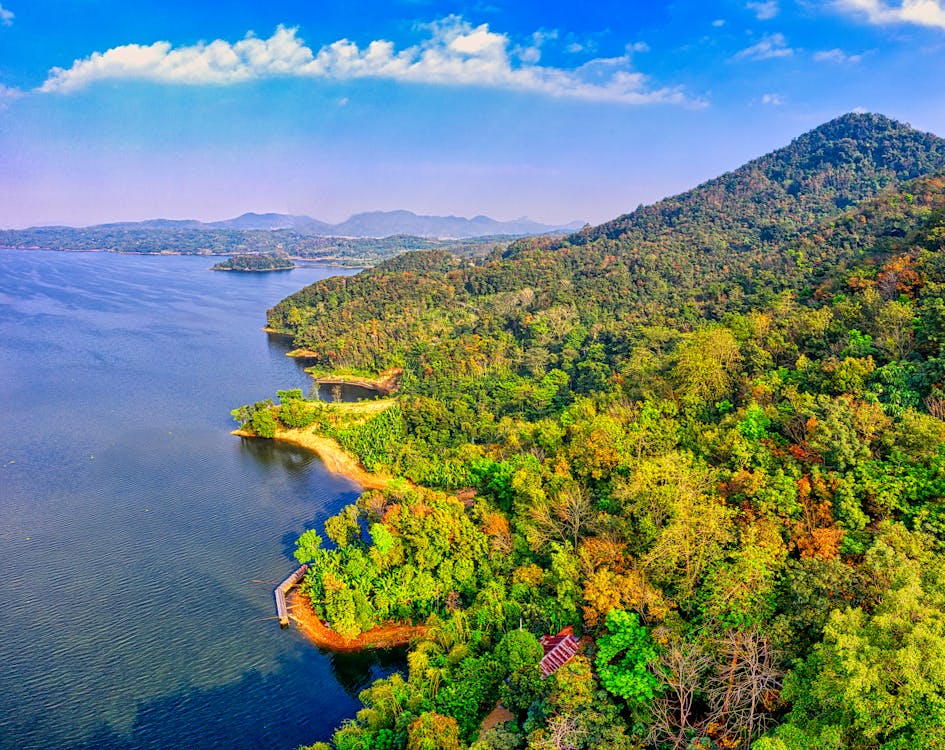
<point>385,636</point>
<point>336,459</point>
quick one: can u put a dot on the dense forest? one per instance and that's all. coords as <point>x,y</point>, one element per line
<point>255,263</point>
<point>707,436</point>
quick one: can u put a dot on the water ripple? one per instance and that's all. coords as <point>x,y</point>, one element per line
<point>132,525</point>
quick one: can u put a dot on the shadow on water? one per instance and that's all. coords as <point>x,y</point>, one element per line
<point>356,670</point>
<point>346,392</point>
<point>279,342</point>
<point>289,538</point>
<point>293,459</point>
<point>298,462</point>
<point>205,717</point>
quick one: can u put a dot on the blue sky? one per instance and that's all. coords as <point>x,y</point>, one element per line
<point>559,111</point>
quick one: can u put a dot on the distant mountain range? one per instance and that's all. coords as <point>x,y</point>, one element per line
<point>369,224</point>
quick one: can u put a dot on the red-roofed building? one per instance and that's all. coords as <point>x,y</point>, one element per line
<point>558,650</point>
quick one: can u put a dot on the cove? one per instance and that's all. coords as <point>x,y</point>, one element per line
<point>134,527</point>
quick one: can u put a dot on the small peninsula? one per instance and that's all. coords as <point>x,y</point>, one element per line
<point>249,263</point>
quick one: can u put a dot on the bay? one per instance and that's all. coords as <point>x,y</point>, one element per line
<point>133,526</point>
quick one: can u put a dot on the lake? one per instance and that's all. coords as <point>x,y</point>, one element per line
<point>138,539</point>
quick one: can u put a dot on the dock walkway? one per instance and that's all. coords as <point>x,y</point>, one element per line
<point>282,589</point>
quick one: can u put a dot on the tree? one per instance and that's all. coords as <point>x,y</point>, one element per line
<point>564,517</point>
<point>595,446</point>
<point>741,591</point>
<point>345,527</point>
<point>706,364</point>
<point>693,538</point>
<point>878,678</point>
<point>432,731</point>
<point>680,668</point>
<point>264,423</point>
<point>519,653</point>
<point>896,329</point>
<point>745,686</point>
<point>624,657</point>
<point>308,547</point>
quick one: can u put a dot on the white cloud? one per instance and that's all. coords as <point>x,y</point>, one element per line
<point>919,12</point>
<point>764,11</point>
<point>454,54</point>
<point>718,23</point>
<point>836,56</point>
<point>774,100</point>
<point>639,47</point>
<point>6,16</point>
<point>8,94</point>
<point>771,46</point>
<point>532,53</point>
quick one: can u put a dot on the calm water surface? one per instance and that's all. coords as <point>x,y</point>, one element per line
<point>133,526</point>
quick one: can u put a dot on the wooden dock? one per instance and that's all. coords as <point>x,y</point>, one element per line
<point>282,589</point>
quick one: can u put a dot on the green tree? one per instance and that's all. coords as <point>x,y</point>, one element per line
<point>308,547</point>
<point>432,731</point>
<point>344,528</point>
<point>264,423</point>
<point>624,659</point>
<point>707,362</point>
<point>878,678</point>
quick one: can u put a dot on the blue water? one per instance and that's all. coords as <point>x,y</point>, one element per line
<point>134,527</point>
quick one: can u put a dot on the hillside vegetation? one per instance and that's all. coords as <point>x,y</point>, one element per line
<point>708,436</point>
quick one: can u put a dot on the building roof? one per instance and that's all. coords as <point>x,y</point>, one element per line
<point>558,650</point>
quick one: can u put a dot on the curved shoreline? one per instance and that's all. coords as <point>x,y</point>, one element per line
<point>385,383</point>
<point>336,459</point>
<point>383,636</point>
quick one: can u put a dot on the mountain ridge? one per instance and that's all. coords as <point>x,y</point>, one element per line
<point>831,154</point>
<point>366,224</point>
<point>715,250</point>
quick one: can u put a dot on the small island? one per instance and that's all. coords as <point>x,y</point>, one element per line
<point>258,263</point>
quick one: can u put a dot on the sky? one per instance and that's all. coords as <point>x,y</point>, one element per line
<point>561,111</point>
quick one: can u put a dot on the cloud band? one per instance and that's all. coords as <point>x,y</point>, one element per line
<point>455,53</point>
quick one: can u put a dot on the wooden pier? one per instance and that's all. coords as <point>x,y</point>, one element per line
<point>282,589</point>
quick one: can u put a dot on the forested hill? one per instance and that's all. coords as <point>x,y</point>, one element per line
<point>679,262</point>
<point>772,198</point>
<point>720,460</point>
<point>730,238</point>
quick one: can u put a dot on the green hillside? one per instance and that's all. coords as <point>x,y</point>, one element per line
<point>707,436</point>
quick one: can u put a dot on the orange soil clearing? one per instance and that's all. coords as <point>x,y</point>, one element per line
<point>499,715</point>
<point>384,636</point>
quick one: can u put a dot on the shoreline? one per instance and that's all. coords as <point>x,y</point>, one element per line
<point>383,636</point>
<point>336,459</point>
<point>304,262</point>
<point>385,383</point>
<point>253,270</point>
